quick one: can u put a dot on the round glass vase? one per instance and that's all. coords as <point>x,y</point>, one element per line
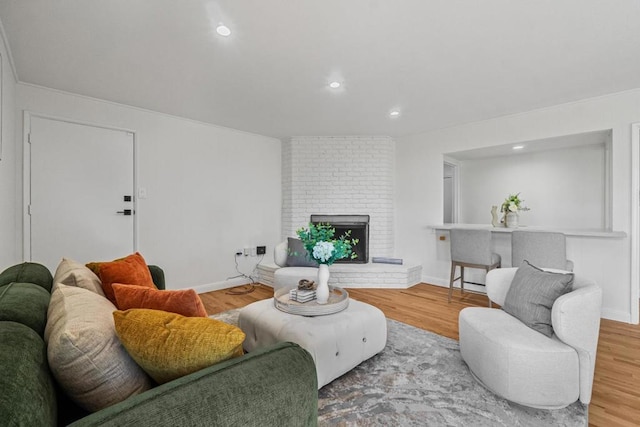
<point>322,288</point>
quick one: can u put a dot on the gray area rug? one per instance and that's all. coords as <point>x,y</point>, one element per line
<point>420,379</point>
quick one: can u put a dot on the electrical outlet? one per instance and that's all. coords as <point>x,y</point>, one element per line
<point>261,250</point>
<point>247,251</point>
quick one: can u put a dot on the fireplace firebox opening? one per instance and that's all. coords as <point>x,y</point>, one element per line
<point>359,226</point>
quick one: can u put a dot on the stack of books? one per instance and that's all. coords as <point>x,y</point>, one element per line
<point>302,295</point>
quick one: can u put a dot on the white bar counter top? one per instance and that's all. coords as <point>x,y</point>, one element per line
<point>502,229</point>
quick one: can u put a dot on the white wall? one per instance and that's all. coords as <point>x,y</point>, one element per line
<point>419,187</point>
<point>211,190</point>
<point>8,236</point>
<point>564,188</point>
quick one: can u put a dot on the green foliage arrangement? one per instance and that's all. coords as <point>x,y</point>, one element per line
<point>513,203</point>
<point>322,246</point>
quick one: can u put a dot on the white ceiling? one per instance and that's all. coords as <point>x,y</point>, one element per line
<point>601,137</point>
<point>440,62</point>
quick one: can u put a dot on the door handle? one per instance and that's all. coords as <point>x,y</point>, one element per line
<point>126,212</point>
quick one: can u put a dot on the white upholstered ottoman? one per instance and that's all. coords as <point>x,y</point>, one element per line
<point>337,342</point>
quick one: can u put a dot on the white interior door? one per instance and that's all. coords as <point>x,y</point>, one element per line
<point>79,177</point>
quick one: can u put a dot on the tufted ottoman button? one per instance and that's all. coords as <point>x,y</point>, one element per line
<point>337,353</point>
<point>364,339</point>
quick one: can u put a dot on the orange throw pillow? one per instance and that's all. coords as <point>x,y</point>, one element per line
<point>130,270</point>
<point>185,302</point>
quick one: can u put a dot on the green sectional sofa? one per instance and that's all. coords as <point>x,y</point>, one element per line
<point>275,386</point>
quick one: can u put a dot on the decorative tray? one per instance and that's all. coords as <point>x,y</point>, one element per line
<point>338,301</point>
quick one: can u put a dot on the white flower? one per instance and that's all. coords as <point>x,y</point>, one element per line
<point>322,251</point>
<point>513,207</point>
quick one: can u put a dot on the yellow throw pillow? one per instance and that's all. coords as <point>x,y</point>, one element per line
<point>168,345</point>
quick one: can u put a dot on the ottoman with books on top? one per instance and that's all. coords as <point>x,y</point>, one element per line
<point>337,342</point>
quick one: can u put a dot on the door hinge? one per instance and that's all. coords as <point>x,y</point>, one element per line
<point>29,209</point>
<point>29,138</point>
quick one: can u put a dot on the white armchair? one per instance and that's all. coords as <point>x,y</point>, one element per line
<point>288,277</point>
<point>525,366</point>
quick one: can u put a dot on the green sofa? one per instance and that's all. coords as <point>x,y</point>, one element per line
<point>275,386</point>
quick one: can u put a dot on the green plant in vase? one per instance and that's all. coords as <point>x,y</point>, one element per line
<point>322,246</point>
<point>510,208</point>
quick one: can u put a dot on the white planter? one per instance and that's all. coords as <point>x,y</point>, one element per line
<point>322,289</point>
<point>511,221</point>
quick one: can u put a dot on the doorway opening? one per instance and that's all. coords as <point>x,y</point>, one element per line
<point>450,193</point>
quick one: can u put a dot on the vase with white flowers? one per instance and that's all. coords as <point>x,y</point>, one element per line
<point>510,208</point>
<point>325,249</point>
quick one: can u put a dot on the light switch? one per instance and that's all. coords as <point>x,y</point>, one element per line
<point>142,193</point>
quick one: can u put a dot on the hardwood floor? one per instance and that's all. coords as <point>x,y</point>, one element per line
<point>616,388</point>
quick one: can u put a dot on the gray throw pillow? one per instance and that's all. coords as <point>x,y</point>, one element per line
<point>532,294</point>
<point>297,254</point>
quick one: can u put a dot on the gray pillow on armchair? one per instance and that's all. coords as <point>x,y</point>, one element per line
<point>297,254</point>
<point>532,294</point>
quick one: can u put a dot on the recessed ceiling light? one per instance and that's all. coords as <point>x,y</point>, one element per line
<point>518,147</point>
<point>394,113</point>
<point>223,30</point>
<point>334,85</point>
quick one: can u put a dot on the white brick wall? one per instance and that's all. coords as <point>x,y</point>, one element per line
<point>340,175</point>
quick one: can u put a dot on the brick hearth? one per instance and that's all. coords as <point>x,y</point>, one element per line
<point>358,275</point>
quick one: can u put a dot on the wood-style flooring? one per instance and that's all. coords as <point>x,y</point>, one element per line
<point>616,389</point>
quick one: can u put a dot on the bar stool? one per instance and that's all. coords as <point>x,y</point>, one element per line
<point>472,249</point>
<point>543,249</point>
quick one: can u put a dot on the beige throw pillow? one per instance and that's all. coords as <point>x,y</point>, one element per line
<point>72,273</point>
<point>84,352</point>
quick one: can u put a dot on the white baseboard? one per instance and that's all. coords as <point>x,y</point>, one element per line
<point>225,284</point>
<point>435,281</point>
<point>617,315</point>
<point>444,283</point>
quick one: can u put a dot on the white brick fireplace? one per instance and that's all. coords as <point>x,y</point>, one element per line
<point>351,175</point>
<point>340,175</point>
